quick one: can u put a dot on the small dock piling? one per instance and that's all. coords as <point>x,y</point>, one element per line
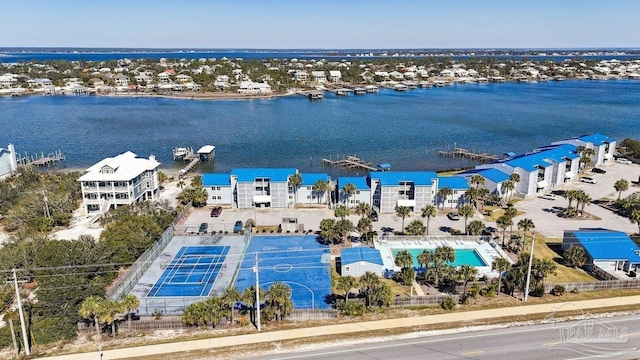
<point>42,159</point>
<point>350,162</point>
<point>467,154</point>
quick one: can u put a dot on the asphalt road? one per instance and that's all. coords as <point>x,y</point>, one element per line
<point>615,337</point>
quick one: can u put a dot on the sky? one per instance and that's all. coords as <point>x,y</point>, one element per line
<point>321,24</point>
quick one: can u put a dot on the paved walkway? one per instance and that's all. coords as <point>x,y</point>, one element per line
<point>321,331</point>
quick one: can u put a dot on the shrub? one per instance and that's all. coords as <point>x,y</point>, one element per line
<point>243,321</point>
<point>537,292</point>
<point>473,291</point>
<point>575,290</point>
<point>489,290</point>
<point>352,308</point>
<point>157,314</point>
<point>558,290</point>
<point>448,303</point>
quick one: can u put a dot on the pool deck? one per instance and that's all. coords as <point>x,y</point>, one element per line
<point>174,304</point>
<point>487,250</point>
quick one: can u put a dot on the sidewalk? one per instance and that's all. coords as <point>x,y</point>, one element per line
<point>319,331</point>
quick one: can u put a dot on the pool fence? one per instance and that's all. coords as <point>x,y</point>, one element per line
<point>426,300</point>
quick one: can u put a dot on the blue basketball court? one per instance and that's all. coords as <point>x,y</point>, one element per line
<point>192,272</point>
<point>299,262</point>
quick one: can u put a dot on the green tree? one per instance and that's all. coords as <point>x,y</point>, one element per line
<point>443,194</point>
<point>348,190</point>
<point>341,212</point>
<point>515,177</point>
<point>446,253</point>
<point>364,227</point>
<point>525,225</point>
<point>583,200</point>
<point>404,259</point>
<point>295,181</point>
<point>503,222</point>
<point>229,298</point>
<point>344,228</point>
<point>129,302</point>
<point>320,187</point>
<point>108,311</point>
<point>416,227</point>
<point>363,209</point>
<point>345,284</point>
<point>477,180</point>
<point>501,265</point>
<point>196,181</point>
<point>575,256</point>
<point>620,186</point>
<point>279,298</point>
<point>91,309</point>
<point>328,231</point>
<point>465,211</point>
<point>425,257</point>
<point>467,273</point>
<point>634,217</point>
<point>476,227</point>
<point>403,212</point>
<point>368,284</point>
<point>508,187</point>
<point>428,212</point>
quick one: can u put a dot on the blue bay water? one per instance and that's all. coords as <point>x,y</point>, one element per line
<point>405,129</point>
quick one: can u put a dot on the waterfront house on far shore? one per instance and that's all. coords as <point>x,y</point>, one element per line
<point>493,179</point>
<point>8,161</point>
<point>121,180</point>
<point>458,185</point>
<point>413,189</point>
<point>603,146</point>
<point>362,191</point>
<point>250,87</point>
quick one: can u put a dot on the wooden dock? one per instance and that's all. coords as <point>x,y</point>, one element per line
<point>350,162</point>
<point>312,95</point>
<point>464,153</point>
<point>42,159</point>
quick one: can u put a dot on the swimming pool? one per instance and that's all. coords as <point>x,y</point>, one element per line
<point>463,257</point>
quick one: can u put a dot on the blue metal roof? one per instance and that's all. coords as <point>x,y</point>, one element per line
<point>359,181</point>
<point>215,180</point>
<point>530,162</point>
<point>596,139</point>
<point>608,245</point>
<point>309,179</point>
<point>494,175</point>
<point>453,182</point>
<point>360,253</point>
<point>274,174</point>
<point>392,178</point>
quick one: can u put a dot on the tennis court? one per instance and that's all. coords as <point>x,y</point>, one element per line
<point>299,262</point>
<point>192,272</point>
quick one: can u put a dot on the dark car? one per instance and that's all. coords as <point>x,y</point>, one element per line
<point>373,216</point>
<point>216,211</point>
<point>599,171</point>
<point>203,228</point>
<point>133,315</point>
<point>237,227</point>
<point>453,216</point>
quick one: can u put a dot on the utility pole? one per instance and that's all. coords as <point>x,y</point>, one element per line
<point>24,329</point>
<point>255,269</point>
<point>526,289</point>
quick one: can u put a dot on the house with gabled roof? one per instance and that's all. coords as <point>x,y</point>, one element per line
<point>335,76</point>
<point>262,187</point>
<point>362,193</point>
<point>121,80</point>
<point>319,76</point>
<point>218,187</point>
<point>458,185</point>
<point>121,180</point>
<point>413,189</point>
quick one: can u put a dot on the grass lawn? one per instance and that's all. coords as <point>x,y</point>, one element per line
<point>563,273</point>
<point>492,213</point>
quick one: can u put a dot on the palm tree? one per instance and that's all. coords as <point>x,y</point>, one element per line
<point>343,228</point>
<point>446,253</point>
<point>634,217</point>
<point>465,211</point>
<point>130,302</point>
<point>585,156</point>
<point>348,190</point>
<point>467,273</point>
<point>279,297</point>
<point>541,268</point>
<point>525,225</point>
<point>364,227</point>
<point>425,257</point>
<point>436,269</point>
<point>482,195</point>
<point>508,187</point>
<point>230,296</point>
<point>620,186</point>
<point>404,259</point>
<point>368,283</point>
<point>570,195</point>
<point>503,222</point>
<point>90,308</point>
<point>416,227</point>
<point>511,213</point>
<point>341,212</point>
<point>477,180</point>
<point>346,283</point>
<point>295,181</point>
<point>108,311</point>
<point>196,181</point>
<point>443,194</point>
<point>575,256</point>
<point>320,187</point>
<point>181,184</point>
<point>476,227</point>
<point>363,209</point>
<point>471,194</point>
<point>583,200</point>
<point>428,211</point>
<point>403,212</point>
<point>501,264</point>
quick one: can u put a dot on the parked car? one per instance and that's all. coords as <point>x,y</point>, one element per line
<point>453,216</point>
<point>203,228</point>
<point>216,211</point>
<point>588,180</point>
<point>373,216</point>
<point>547,196</point>
<point>133,315</point>
<point>237,227</point>
<point>599,171</point>
<point>623,161</point>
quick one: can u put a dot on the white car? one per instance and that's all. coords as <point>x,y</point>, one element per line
<point>547,196</point>
<point>623,161</point>
<point>588,180</point>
